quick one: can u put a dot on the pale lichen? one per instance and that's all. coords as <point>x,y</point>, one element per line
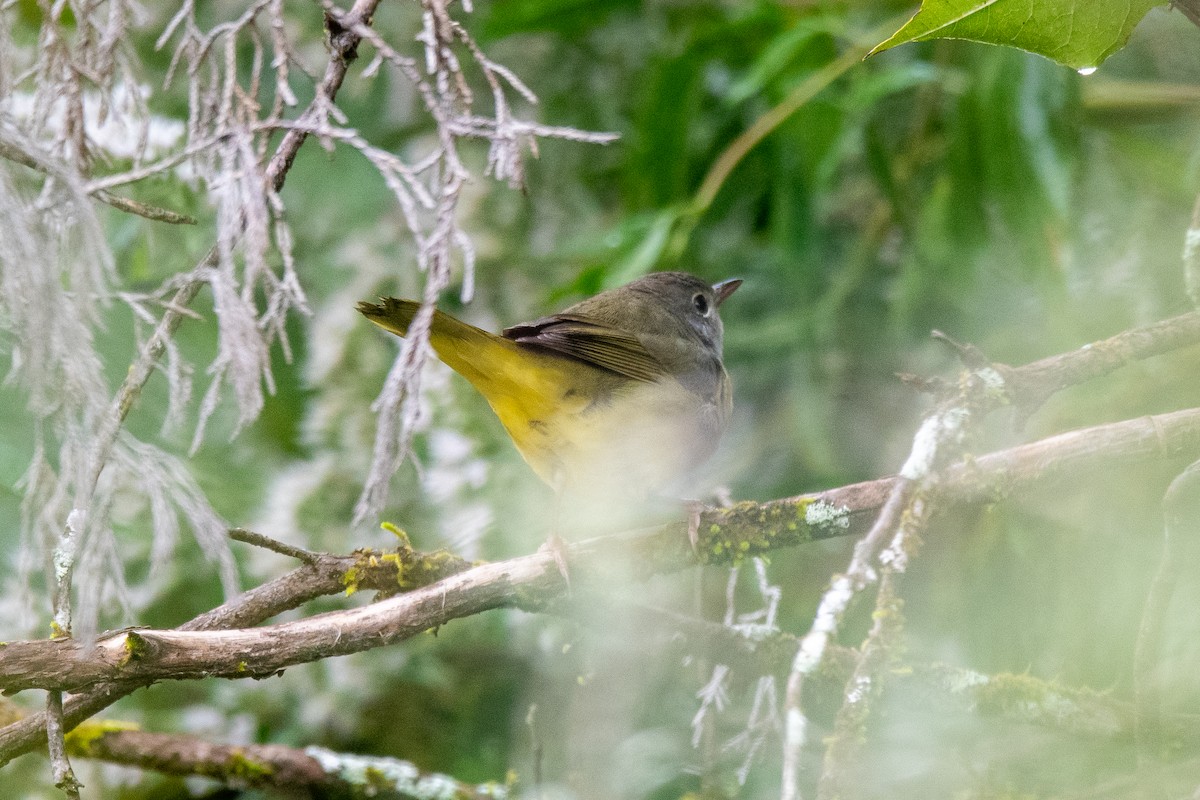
<point>819,514</point>
<point>394,774</point>
<point>945,425</point>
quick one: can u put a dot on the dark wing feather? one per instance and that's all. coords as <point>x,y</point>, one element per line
<point>590,342</point>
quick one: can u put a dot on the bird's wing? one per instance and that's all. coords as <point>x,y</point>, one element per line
<point>591,342</point>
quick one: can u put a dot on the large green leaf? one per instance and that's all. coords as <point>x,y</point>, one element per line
<point>1077,33</point>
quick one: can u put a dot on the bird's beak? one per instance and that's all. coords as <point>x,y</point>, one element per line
<point>725,288</point>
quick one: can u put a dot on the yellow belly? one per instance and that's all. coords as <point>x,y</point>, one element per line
<point>633,443</point>
<point>581,428</point>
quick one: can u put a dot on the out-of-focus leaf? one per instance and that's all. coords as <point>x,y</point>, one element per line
<point>564,17</point>
<point>875,86</point>
<point>646,254</point>
<point>665,123</point>
<point>1077,33</point>
<point>863,98</point>
<point>637,245</point>
<point>782,51</point>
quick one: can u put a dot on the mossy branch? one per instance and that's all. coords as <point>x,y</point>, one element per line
<point>534,581</point>
<point>313,770</point>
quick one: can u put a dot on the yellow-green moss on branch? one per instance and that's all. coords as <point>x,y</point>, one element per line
<point>752,529</point>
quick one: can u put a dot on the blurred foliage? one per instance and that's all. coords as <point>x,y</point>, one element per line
<point>982,191</point>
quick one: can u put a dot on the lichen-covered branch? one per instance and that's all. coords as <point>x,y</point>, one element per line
<point>271,766</point>
<point>534,581</point>
<point>884,552</point>
<point>1018,698</point>
<point>401,569</point>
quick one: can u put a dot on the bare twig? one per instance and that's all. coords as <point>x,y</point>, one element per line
<point>893,537</point>
<point>1022,698</point>
<point>274,545</point>
<point>1030,385</point>
<point>386,573</point>
<point>10,151</point>
<point>289,591</point>
<point>64,776</point>
<point>935,442</point>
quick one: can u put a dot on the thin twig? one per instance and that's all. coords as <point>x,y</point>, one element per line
<point>64,776</point>
<point>274,545</point>
<point>19,156</point>
<point>385,573</point>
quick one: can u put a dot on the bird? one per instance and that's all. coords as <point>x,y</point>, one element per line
<point>614,398</point>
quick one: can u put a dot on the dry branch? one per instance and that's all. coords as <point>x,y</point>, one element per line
<point>1018,698</point>
<point>326,575</point>
<point>534,581</point>
<point>226,130</point>
<point>1028,386</point>
<point>981,480</point>
<point>44,164</point>
<point>315,770</point>
<point>882,555</point>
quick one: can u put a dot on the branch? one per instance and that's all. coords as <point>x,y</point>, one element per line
<point>1028,386</point>
<point>1181,510</point>
<point>1022,698</point>
<point>845,511</point>
<point>64,776</point>
<point>326,575</point>
<point>39,163</point>
<point>882,555</point>
<point>342,51</point>
<point>312,770</point>
<point>533,582</point>
<point>1018,698</point>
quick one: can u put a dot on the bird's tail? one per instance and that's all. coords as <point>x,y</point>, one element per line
<point>391,315</point>
<point>471,352</point>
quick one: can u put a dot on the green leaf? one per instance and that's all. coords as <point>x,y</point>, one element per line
<point>780,53</point>
<point>1077,33</point>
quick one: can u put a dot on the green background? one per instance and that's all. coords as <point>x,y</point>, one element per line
<point>981,191</point>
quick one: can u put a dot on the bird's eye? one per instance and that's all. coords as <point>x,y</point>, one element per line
<point>701,304</point>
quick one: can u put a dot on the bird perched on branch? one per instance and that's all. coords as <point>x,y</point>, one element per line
<point>616,397</point>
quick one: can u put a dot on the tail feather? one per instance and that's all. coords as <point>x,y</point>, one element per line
<point>391,315</point>
<point>523,385</point>
<point>472,352</point>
